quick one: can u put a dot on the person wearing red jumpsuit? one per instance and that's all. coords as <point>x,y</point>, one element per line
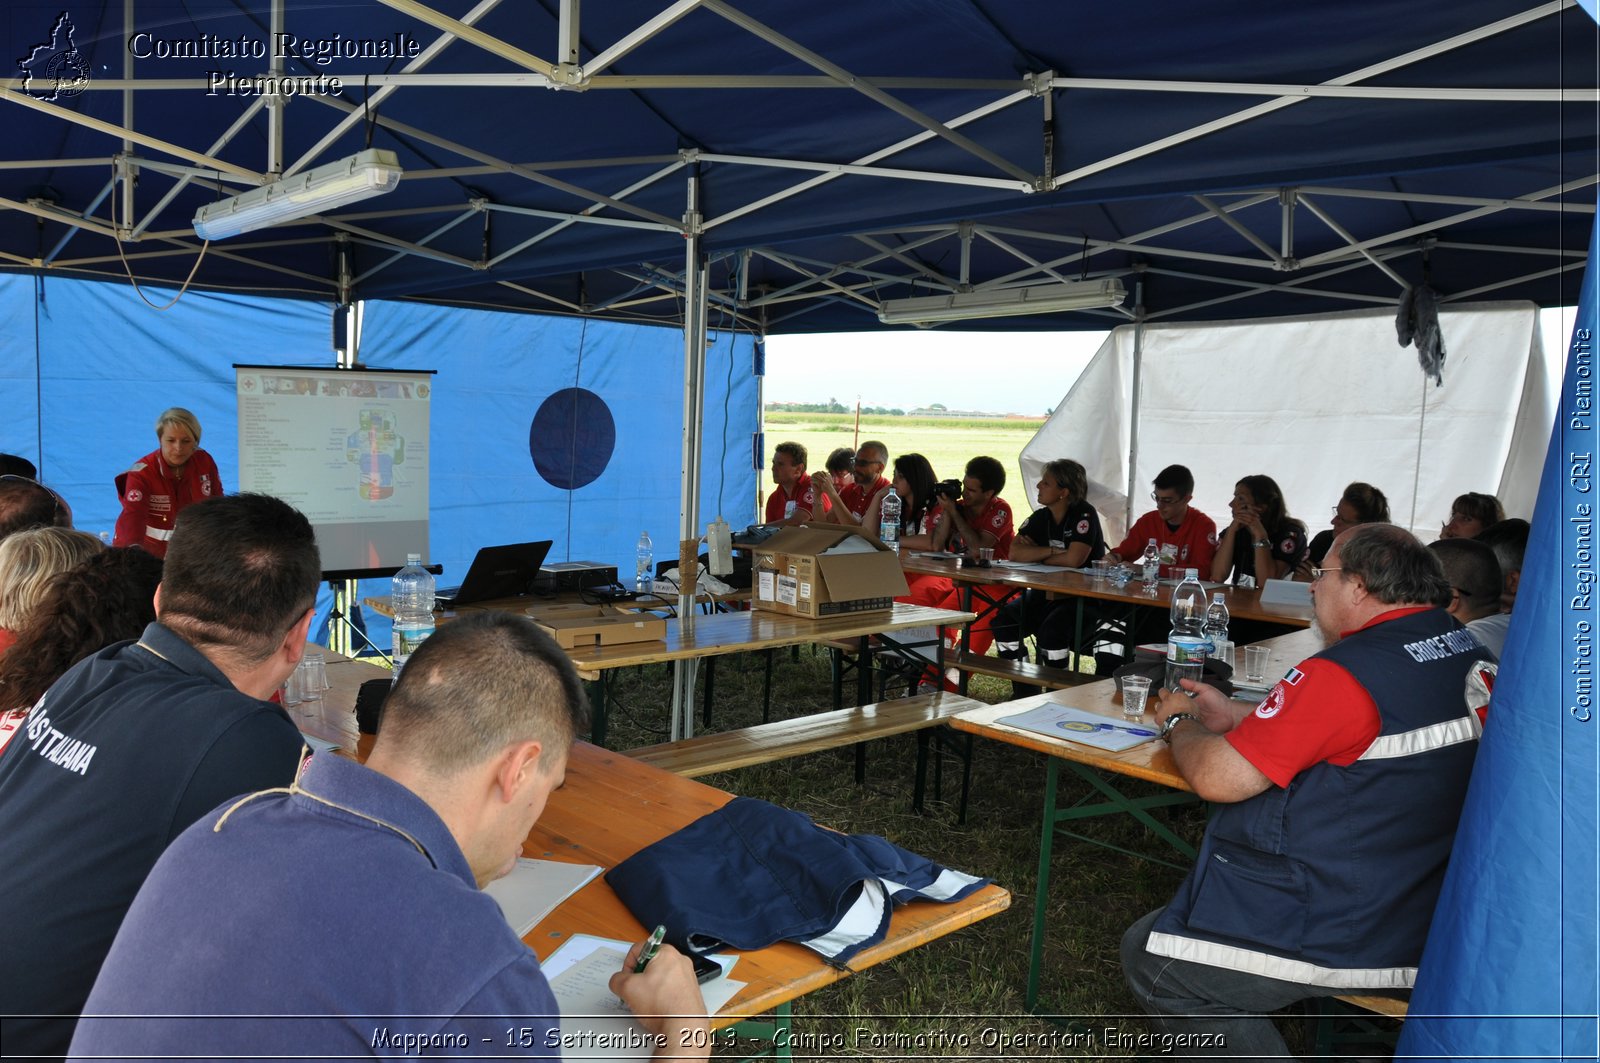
<point>160,484</point>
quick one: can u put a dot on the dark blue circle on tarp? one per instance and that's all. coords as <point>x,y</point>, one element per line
<point>571,438</point>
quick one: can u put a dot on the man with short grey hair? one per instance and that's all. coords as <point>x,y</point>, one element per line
<point>1335,805</point>
<point>344,915</point>
<point>850,505</point>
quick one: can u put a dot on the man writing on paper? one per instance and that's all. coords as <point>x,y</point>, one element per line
<point>344,916</point>
<point>1335,805</point>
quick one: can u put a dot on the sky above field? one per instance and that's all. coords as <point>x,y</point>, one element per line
<point>1026,373</point>
<point>1014,372</point>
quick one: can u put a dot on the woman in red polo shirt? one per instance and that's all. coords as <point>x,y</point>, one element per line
<point>160,484</point>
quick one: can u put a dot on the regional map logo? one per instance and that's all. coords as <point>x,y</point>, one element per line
<point>55,69</point>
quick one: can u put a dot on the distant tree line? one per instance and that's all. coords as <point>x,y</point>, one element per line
<point>831,406</point>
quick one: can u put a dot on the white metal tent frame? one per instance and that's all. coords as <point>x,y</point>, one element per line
<point>885,260</point>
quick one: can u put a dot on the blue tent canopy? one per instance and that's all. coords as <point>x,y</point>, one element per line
<point>1243,159</point>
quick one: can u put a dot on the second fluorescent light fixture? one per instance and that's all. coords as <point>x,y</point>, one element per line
<point>1003,302</point>
<point>363,175</point>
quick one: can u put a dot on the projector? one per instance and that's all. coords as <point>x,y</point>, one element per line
<point>577,575</point>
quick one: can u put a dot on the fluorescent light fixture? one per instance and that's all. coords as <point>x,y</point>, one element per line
<point>363,175</point>
<point>1003,302</point>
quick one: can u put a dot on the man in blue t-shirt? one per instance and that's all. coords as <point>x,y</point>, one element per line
<point>344,916</point>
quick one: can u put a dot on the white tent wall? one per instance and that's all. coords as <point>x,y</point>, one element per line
<point>1315,403</point>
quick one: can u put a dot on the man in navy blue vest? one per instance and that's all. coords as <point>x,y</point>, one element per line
<point>1337,800</point>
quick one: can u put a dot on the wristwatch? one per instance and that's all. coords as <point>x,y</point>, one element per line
<point>1262,544</point>
<point>1172,721</point>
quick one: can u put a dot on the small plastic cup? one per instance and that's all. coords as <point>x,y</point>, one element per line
<point>1222,650</point>
<point>985,556</point>
<point>289,692</point>
<point>1135,693</point>
<point>313,674</point>
<point>1100,570</point>
<point>1255,664</point>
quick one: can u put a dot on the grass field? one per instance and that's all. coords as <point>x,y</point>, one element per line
<point>947,444</point>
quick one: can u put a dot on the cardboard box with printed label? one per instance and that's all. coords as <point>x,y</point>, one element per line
<point>573,626</point>
<point>816,570</point>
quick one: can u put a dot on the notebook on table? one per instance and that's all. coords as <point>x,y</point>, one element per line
<point>497,572</point>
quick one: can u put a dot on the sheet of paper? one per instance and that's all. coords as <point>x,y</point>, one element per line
<point>1030,566</point>
<point>594,1023</point>
<point>535,888</point>
<point>580,947</point>
<point>1076,725</point>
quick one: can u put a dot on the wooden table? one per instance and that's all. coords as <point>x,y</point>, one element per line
<point>1150,761</point>
<point>695,636</point>
<point>334,720</point>
<point>1242,604</point>
<point>611,807</point>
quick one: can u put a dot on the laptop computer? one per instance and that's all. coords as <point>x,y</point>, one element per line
<point>497,572</point>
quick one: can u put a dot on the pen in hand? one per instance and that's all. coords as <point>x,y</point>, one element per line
<point>652,945</point>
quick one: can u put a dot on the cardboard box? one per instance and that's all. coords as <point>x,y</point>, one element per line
<point>816,570</point>
<point>574,626</point>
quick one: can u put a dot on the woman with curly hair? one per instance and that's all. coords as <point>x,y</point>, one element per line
<point>108,598</point>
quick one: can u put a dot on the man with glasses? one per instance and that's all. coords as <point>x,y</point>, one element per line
<point>1475,584</point>
<point>850,505</point>
<point>1334,806</point>
<point>26,503</point>
<point>1173,522</point>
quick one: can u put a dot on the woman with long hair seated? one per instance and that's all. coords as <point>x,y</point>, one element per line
<point>1263,541</point>
<point>919,508</point>
<point>108,598</point>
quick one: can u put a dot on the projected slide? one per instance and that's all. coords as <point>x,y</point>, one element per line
<point>349,449</point>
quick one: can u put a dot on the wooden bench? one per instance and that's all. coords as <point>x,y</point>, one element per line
<point>1333,1027</point>
<point>1018,671</point>
<point>781,739</point>
<point>1393,1007</point>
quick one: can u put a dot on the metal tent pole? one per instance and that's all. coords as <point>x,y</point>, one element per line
<point>694,370</point>
<point>1133,413</point>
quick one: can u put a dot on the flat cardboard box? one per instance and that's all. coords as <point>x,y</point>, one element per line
<point>816,570</point>
<point>573,626</point>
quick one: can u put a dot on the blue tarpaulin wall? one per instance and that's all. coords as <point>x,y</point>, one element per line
<point>566,429</point>
<point>86,367</point>
<point>1510,967</point>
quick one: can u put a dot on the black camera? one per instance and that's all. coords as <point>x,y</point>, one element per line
<point>950,489</point>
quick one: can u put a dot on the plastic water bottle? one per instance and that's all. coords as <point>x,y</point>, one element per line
<point>412,599</point>
<point>1150,564</point>
<point>644,569</point>
<point>1186,643</point>
<point>1217,619</point>
<point>889,521</point>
